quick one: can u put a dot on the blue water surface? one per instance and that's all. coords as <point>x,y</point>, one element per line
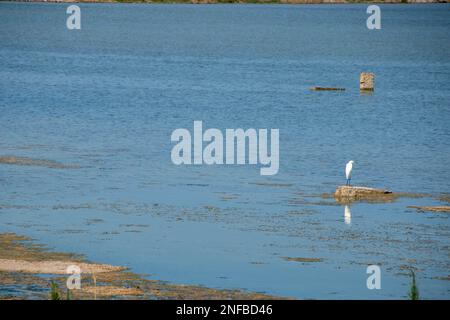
<point>107,98</point>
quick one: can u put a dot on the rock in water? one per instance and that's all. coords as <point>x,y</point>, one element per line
<point>349,193</point>
<point>326,89</point>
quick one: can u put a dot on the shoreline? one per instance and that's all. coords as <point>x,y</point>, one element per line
<point>36,272</point>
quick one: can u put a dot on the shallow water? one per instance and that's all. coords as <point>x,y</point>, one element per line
<point>107,98</point>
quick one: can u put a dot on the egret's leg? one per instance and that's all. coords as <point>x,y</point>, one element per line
<point>349,180</point>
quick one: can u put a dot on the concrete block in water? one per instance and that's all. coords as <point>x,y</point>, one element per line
<point>366,81</point>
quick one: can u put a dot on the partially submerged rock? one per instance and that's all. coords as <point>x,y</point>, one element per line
<point>432,208</point>
<point>347,194</point>
<point>327,89</point>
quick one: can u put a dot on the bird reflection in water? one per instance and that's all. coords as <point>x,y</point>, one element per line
<point>347,215</point>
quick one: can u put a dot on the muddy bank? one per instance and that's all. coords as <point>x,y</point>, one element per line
<point>27,270</point>
<point>25,161</point>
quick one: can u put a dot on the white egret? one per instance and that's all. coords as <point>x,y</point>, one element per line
<point>348,171</point>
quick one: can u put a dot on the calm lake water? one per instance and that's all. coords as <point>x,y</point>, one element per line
<point>107,98</point>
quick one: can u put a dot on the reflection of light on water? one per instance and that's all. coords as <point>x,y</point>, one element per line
<point>347,215</point>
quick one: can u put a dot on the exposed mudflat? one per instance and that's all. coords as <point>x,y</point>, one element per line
<point>52,267</point>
